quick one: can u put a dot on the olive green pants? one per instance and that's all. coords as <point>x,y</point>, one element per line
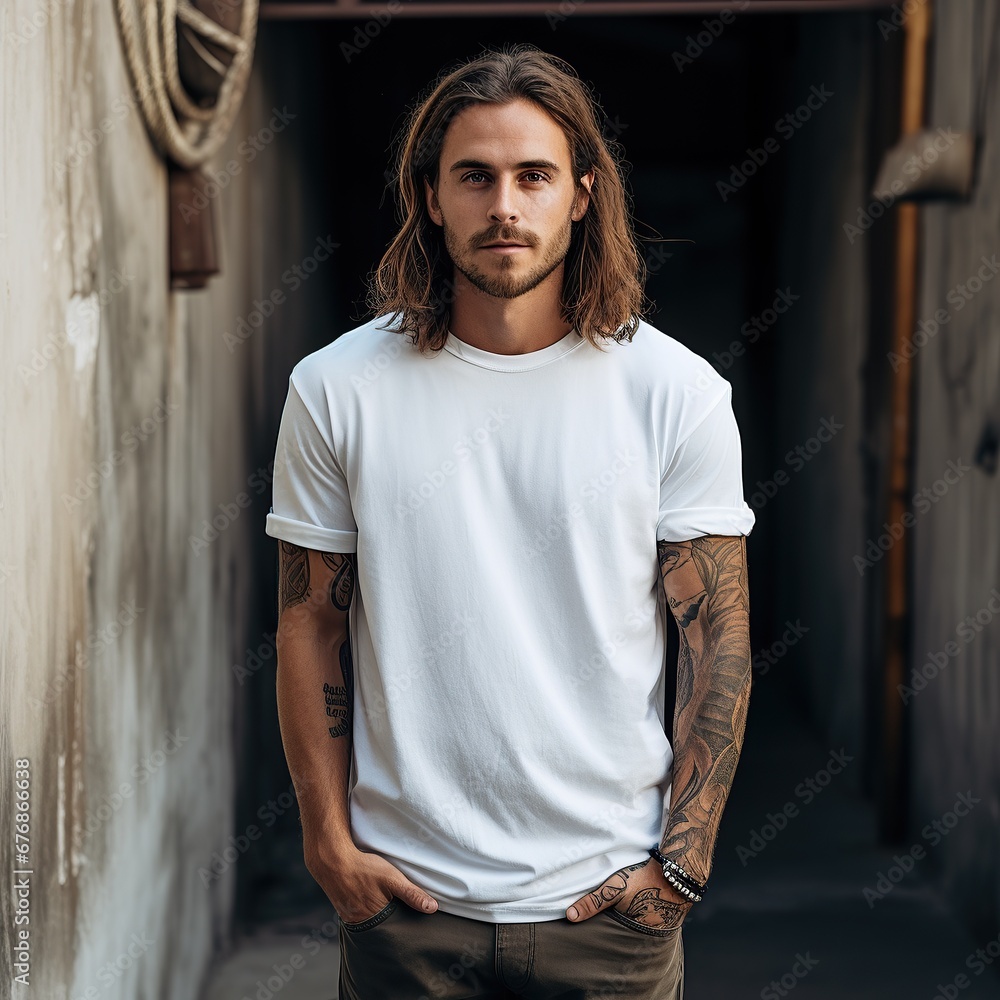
<point>402,954</point>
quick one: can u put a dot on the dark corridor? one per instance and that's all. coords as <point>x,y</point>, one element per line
<point>802,902</point>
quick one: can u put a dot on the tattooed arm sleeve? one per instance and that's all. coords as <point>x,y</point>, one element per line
<point>705,581</point>
<point>315,682</point>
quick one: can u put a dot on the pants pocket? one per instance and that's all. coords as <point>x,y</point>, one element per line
<point>374,920</point>
<point>640,928</point>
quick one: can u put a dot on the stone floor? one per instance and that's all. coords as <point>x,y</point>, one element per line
<point>786,913</point>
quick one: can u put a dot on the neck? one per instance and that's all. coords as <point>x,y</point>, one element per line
<point>509,326</point>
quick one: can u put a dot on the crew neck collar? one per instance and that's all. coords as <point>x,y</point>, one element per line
<point>512,362</point>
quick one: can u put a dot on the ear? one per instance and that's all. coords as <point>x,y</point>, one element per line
<point>582,200</point>
<point>433,208</point>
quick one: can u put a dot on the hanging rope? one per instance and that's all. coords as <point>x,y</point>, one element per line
<point>183,130</point>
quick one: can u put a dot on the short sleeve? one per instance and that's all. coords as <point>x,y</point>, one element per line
<point>311,502</point>
<point>701,490</point>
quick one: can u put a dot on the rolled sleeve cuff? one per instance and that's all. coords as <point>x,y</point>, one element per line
<point>695,522</point>
<point>310,536</point>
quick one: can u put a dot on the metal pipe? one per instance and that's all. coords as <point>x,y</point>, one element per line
<point>900,480</point>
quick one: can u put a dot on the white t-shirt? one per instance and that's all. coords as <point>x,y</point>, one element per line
<point>507,627</point>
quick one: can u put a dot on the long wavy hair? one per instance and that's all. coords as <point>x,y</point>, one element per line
<point>604,273</point>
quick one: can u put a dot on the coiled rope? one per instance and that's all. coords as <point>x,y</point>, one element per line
<point>182,130</point>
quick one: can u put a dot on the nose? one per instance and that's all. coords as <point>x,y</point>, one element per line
<point>503,208</point>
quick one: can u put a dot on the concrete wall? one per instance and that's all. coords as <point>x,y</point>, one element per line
<point>118,635</point>
<point>956,715</point>
<point>833,361</point>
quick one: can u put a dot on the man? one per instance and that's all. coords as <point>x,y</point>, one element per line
<point>481,496</point>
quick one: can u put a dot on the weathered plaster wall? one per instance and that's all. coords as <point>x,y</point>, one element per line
<point>956,715</point>
<point>126,423</point>
<point>833,360</point>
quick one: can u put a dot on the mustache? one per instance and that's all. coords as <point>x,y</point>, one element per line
<point>503,234</point>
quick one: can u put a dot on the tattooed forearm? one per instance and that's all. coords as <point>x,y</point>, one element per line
<point>327,583</point>
<point>293,575</point>
<point>705,581</point>
<point>342,585</point>
<point>337,708</point>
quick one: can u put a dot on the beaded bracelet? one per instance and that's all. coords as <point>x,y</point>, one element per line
<point>679,878</point>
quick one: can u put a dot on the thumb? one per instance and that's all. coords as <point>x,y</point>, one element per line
<point>413,895</point>
<point>602,897</point>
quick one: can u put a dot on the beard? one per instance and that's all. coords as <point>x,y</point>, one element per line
<point>504,283</point>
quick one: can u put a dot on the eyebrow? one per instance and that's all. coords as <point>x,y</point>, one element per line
<point>525,165</point>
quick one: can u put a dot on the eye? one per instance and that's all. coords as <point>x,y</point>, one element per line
<point>535,177</point>
<point>475,176</point>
